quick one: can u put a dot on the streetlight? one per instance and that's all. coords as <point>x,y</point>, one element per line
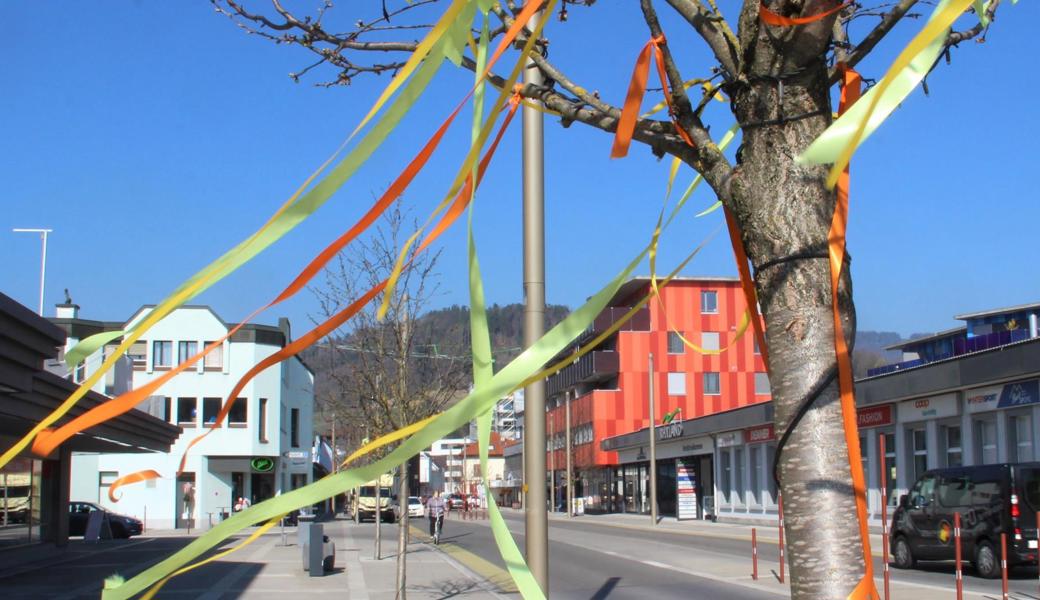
<point>43,258</point>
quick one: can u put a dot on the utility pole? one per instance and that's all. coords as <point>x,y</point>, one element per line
<point>43,256</point>
<point>653,446</point>
<point>536,518</point>
<point>570,466</point>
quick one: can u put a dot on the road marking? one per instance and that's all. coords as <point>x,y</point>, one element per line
<point>495,578</point>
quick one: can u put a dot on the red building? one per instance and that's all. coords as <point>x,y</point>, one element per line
<point>608,388</point>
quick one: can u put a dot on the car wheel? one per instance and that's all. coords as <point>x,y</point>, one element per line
<point>986,563</point>
<point>902,557</point>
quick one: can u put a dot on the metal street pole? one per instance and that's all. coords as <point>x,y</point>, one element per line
<point>536,518</point>
<point>653,446</point>
<point>570,466</point>
<point>43,257</point>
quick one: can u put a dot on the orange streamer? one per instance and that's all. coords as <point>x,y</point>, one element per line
<point>866,590</point>
<point>131,478</point>
<point>334,322</point>
<point>750,295</point>
<point>634,98</point>
<point>771,18</point>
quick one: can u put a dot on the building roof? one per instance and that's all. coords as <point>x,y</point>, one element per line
<point>1035,306</point>
<point>495,447</point>
<point>638,281</point>
<point>927,338</point>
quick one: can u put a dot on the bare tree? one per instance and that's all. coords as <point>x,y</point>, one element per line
<point>384,374</point>
<point>778,82</point>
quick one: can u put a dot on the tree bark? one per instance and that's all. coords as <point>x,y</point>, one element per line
<point>782,102</point>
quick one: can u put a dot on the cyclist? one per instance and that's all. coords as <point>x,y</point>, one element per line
<point>435,512</point>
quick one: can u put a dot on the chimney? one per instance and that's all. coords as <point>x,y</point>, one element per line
<point>66,310</point>
<point>283,324</point>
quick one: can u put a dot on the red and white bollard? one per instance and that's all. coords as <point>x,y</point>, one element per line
<point>1003,567</point>
<point>754,555</point>
<point>780,508</point>
<point>957,553</point>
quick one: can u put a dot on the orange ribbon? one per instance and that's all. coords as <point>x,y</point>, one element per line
<point>865,589</point>
<point>771,18</point>
<point>748,285</point>
<point>634,98</point>
<point>131,478</point>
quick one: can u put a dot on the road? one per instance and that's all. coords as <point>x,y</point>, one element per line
<point>590,560</point>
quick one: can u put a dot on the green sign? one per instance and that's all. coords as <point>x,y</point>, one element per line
<point>262,464</point>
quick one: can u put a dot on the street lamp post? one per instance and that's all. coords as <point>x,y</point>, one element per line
<point>43,256</point>
<point>653,446</point>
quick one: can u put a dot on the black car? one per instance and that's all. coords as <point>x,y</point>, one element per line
<point>991,500</point>
<point>121,525</point>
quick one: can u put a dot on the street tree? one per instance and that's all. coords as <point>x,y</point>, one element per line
<point>384,373</point>
<point>777,80</point>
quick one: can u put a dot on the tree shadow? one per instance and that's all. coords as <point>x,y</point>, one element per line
<point>605,589</point>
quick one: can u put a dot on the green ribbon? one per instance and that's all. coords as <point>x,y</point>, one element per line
<point>90,345</point>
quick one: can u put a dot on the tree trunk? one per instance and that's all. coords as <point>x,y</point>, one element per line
<point>402,533</point>
<point>784,209</point>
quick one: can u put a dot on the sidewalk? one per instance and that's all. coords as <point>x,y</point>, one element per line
<point>270,568</point>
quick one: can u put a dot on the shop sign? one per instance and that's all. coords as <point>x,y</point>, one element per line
<point>262,464</point>
<point>725,440</point>
<point>670,431</point>
<point>686,489</point>
<point>755,435</point>
<point>935,407</point>
<point>1009,395</point>
<point>874,416</point>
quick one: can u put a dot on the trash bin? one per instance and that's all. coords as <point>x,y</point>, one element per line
<point>319,552</point>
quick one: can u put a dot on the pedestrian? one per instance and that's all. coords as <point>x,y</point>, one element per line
<point>435,512</point>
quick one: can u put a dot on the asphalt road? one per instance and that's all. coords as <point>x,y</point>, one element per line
<point>590,560</point>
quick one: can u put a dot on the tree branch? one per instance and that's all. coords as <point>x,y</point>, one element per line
<point>714,30</point>
<point>888,21</point>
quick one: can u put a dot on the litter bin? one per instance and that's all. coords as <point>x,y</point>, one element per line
<point>319,552</point>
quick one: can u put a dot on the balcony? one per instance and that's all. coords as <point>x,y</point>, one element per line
<point>961,346</point>
<point>594,366</point>
<point>640,321</point>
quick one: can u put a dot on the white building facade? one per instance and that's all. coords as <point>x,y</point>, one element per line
<point>262,449</point>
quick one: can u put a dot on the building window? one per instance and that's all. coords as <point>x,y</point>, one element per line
<point>214,361</point>
<point>986,442</point>
<point>261,425</point>
<point>726,472</point>
<point>919,447</point>
<point>105,481</point>
<point>675,343</point>
<point>186,350</point>
<point>1020,442</point>
<point>237,416</point>
<point>710,340</point>
<point>738,475</point>
<point>138,354</point>
<point>677,384</point>
<point>294,434</point>
<point>186,411</point>
<point>168,409</point>
<point>762,384</point>
<point>162,354</point>
<point>755,454</point>
<point>771,482</point>
<point>210,410</point>
<point>754,338</point>
<point>711,383</point>
<point>890,467</point>
<point>864,457</point>
<point>951,435</point>
<point>709,301</point>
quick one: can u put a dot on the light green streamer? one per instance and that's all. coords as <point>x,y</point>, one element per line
<point>724,143</point>
<point>312,200</point>
<point>90,345</point>
<point>482,399</point>
<point>828,147</point>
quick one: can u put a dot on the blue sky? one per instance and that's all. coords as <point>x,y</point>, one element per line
<point>152,136</point>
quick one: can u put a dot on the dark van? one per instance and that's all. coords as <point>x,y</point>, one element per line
<point>991,499</point>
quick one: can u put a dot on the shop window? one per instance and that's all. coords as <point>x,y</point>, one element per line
<point>187,411</point>
<point>675,343</point>
<point>210,410</point>
<point>1020,438</point>
<point>738,475</point>
<point>890,467</point>
<point>710,340</point>
<point>162,354</point>
<point>986,442</point>
<point>919,452</point>
<point>711,383</point>
<point>238,413</point>
<point>771,482</point>
<point>725,474</point>
<point>677,384</point>
<point>186,350</point>
<point>755,472</point>
<point>214,361</point>
<point>951,436</point>
<point>709,301</point>
<point>762,384</point>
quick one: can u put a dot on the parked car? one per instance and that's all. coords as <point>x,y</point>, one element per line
<point>455,502</point>
<point>415,507</point>
<point>122,526</point>
<point>991,500</point>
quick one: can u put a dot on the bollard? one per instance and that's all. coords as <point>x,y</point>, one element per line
<point>1003,567</point>
<point>780,507</point>
<point>884,515</point>
<point>957,553</point>
<point>754,555</point>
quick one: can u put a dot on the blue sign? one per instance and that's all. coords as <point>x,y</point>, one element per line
<point>1019,394</point>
